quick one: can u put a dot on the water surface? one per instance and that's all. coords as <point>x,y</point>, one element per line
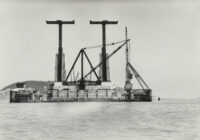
<point>164,120</point>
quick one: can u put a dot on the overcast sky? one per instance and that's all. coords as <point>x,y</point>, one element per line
<point>165,44</point>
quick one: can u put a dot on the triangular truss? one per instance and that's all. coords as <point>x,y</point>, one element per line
<point>82,80</point>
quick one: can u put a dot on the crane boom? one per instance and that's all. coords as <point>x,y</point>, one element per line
<point>138,77</point>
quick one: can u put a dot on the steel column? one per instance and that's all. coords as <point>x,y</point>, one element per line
<point>60,50</point>
<point>103,54</point>
<point>104,65</point>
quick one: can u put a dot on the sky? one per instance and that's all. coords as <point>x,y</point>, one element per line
<point>165,44</point>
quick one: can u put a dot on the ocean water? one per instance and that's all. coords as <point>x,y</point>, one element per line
<point>164,120</point>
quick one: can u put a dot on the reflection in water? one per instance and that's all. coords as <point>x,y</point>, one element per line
<point>166,120</point>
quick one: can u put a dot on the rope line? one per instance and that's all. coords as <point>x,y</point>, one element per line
<point>109,44</point>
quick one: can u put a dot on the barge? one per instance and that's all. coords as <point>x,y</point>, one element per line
<point>84,89</point>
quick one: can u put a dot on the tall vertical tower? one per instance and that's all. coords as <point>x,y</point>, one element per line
<point>104,69</point>
<point>60,57</point>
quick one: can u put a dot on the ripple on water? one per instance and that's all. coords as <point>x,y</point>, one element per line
<point>166,120</point>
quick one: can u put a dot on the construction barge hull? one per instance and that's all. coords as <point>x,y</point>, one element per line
<point>83,96</point>
<point>70,101</point>
<point>81,100</point>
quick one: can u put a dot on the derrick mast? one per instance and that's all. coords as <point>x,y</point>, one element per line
<point>128,84</point>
